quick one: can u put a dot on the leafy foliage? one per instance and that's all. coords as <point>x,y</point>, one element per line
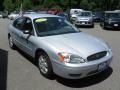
<point>63,4</point>
<point>8,5</point>
<point>27,4</point>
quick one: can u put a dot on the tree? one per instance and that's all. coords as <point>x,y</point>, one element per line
<point>17,4</point>
<point>27,4</point>
<point>1,5</point>
<point>84,4</point>
<point>49,3</point>
<point>118,5</point>
<point>92,6</point>
<point>8,5</point>
<point>64,4</point>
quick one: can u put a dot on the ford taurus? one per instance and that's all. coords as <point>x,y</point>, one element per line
<point>58,47</point>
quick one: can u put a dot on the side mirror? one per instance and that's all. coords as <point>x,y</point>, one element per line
<point>27,31</point>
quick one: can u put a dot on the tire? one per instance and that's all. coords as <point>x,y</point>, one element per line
<point>11,44</point>
<point>44,64</point>
<point>75,25</point>
<point>92,26</point>
<point>103,26</point>
<point>100,24</point>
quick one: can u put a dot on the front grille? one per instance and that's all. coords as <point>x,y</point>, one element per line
<point>83,22</point>
<point>97,56</point>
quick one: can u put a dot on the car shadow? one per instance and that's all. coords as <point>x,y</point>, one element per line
<point>84,27</point>
<point>108,29</point>
<point>77,83</point>
<point>3,69</point>
<point>85,82</point>
<point>29,58</point>
<point>32,60</point>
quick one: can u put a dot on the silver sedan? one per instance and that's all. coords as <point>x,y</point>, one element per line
<point>59,47</point>
<point>85,18</point>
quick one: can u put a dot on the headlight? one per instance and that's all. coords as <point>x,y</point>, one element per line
<point>90,19</point>
<point>70,58</point>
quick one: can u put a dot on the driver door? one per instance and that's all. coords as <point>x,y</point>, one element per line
<point>27,39</point>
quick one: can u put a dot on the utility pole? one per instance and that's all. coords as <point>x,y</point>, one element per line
<point>21,9</point>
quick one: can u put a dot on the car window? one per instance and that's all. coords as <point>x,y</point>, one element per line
<point>111,15</point>
<point>47,26</point>
<point>18,23</point>
<point>85,14</point>
<point>28,25</point>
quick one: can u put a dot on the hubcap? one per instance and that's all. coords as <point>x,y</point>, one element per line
<point>43,64</point>
<point>11,42</point>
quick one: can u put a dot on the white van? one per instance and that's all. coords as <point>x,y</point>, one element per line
<point>74,13</point>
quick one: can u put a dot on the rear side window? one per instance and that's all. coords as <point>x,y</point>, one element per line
<point>18,23</point>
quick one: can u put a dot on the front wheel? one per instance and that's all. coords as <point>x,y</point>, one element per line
<point>92,26</point>
<point>44,64</point>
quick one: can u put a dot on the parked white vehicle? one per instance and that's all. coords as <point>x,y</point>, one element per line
<point>0,14</point>
<point>13,15</point>
<point>74,13</point>
<point>117,10</point>
<point>85,18</point>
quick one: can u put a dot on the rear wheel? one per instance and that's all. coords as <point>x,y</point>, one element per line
<point>44,64</point>
<point>11,44</point>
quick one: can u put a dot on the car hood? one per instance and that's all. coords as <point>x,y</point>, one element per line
<point>114,19</point>
<point>77,43</point>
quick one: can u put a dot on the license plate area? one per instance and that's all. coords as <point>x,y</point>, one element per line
<point>83,22</point>
<point>102,66</point>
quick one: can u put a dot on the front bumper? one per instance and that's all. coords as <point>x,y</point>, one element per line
<point>84,23</point>
<point>112,25</point>
<point>82,70</point>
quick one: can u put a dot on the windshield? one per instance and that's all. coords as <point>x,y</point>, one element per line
<point>97,14</point>
<point>86,14</point>
<point>113,15</point>
<point>47,26</point>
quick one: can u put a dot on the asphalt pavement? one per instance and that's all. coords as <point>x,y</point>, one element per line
<point>18,72</point>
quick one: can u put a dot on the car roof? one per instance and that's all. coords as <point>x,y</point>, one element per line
<point>34,16</point>
<point>111,12</point>
<point>87,11</point>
